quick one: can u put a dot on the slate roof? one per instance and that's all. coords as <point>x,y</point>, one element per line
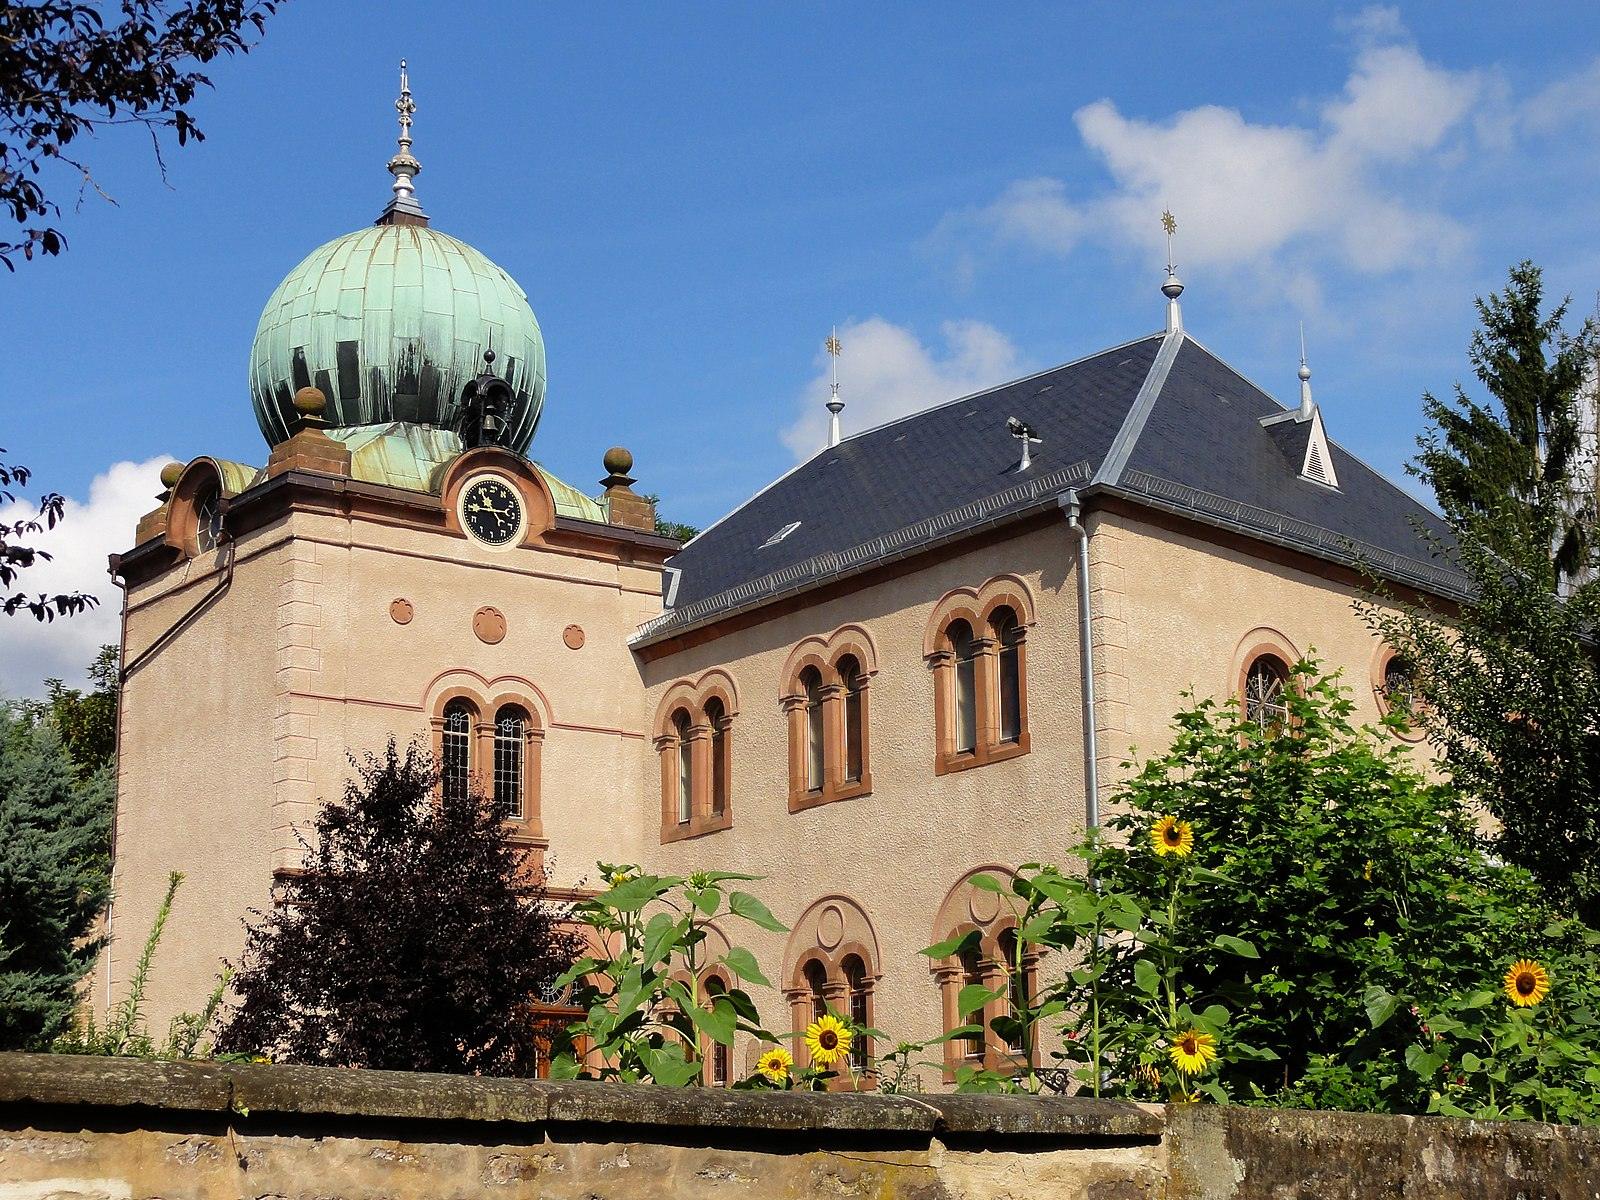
<point>1160,420</point>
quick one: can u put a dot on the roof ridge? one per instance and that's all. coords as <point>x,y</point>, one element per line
<point>1133,423</point>
<point>921,412</point>
<point>981,392</point>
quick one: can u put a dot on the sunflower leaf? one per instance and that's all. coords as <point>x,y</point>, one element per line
<point>974,996</point>
<point>743,964</point>
<point>747,906</point>
<point>1235,945</point>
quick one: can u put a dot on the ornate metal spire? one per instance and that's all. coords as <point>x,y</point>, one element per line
<point>1307,405</point>
<point>1173,287</point>
<point>835,405</point>
<point>404,209</point>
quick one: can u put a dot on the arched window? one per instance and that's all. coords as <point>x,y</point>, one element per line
<point>854,717</point>
<point>1016,980</point>
<point>1400,685</point>
<point>972,973</point>
<point>456,749</point>
<point>208,519</point>
<point>816,755</point>
<point>1008,639</point>
<point>510,752</point>
<point>816,976</point>
<point>1266,702</point>
<point>721,1056</point>
<point>855,981</point>
<point>694,744</point>
<point>681,724</point>
<point>964,647</point>
<point>717,718</point>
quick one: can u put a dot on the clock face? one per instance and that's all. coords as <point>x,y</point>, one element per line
<point>491,510</point>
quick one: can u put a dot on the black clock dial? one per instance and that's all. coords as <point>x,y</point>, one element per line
<point>492,511</point>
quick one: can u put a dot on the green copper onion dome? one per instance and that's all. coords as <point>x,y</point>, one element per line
<point>392,322</point>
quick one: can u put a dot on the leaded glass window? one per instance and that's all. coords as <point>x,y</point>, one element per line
<point>811,681</point>
<point>1008,634</point>
<point>510,755</point>
<point>717,718</point>
<point>855,978</point>
<point>850,675</point>
<point>457,749</point>
<point>208,521</point>
<point>680,723</point>
<point>1400,686</point>
<point>1266,701</point>
<point>965,648</point>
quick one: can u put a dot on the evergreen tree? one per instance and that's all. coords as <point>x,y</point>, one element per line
<point>1507,686</point>
<point>55,833</point>
<point>418,937</point>
<point>1513,466</point>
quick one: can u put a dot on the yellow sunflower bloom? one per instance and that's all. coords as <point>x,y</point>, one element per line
<point>1526,983</point>
<point>828,1039</point>
<point>1192,1052</point>
<point>1172,836</point>
<point>775,1064</point>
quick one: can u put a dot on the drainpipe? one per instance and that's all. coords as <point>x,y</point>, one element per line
<point>1091,750</point>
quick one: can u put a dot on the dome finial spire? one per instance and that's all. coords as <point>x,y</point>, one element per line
<point>835,405</point>
<point>1173,287</point>
<point>1307,404</point>
<point>404,209</point>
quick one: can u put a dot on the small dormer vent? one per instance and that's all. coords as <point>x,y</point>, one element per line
<point>780,535</point>
<point>1318,464</point>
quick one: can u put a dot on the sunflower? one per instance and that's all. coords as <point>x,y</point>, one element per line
<point>775,1064</point>
<point>1192,1051</point>
<point>828,1039</point>
<point>1147,1074</point>
<point>1172,836</point>
<point>1526,983</point>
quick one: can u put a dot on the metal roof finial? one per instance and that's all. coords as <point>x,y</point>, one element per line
<point>1173,287</point>
<point>835,405</point>
<point>404,209</point>
<point>1307,405</point>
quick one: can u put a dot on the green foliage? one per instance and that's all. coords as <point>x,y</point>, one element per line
<point>416,938</point>
<point>1512,465</point>
<point>1507,688</point>
<point>16,556</point>
<point>672,529</point>
<point>125,1033</point>
<point>646,1007</point>
<point>70,69</point>
<point>86,721</point>
<point>55,833</point>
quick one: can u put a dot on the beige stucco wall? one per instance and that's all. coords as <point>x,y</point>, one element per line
<point>897,852</point>
<point>237,728</point>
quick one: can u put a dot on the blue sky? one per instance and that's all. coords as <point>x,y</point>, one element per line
<point>692,196</point>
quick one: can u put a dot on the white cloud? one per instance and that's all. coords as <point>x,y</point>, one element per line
<point>885,371</point>
<point>32,651</point>
<point>1267,198</point>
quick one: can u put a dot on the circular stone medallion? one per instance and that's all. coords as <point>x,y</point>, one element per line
<point>573,637</point>
<point>490,625</point>
<point>830,926</point>
<point>400,611</point>
<point>984,906</point>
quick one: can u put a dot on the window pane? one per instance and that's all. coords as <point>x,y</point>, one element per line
<point>717,718</point>
<point>685,768</point>
<point>965,650</point>
<point>1009,635</point>
<point>1264,700</point>
<point>850,673</point>
<point>456,767</point>
<point>972,972</point>
<point>1017,980</point>
<point>814,730</point>
<point>855,975</point>
<point>816,981</point>
<point>510,726</point>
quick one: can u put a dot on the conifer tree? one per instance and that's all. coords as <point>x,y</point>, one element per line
<point>55,832</point>
<point>417,938</point>
<point>1513,464</point>
<point>1507,685</point>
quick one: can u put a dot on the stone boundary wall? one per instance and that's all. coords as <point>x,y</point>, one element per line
<point>119,1129</point>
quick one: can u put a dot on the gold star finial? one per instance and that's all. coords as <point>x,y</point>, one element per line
<point>1169,222</point>
<point>833,346</point>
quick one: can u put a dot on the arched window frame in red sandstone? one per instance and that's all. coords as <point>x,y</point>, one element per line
<point>484,705</point>
<point>984,611</point>
<point>1263,646</point>
<point>1384,658</point>
<point>206,484</point>
<point>840,707</point>
<point>711,704</point>
<point>819,948</point>
<point>982,917</point>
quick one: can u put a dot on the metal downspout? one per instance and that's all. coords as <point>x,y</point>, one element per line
<point>1091,749</point>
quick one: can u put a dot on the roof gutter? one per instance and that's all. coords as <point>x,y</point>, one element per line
<point>1091,747</point>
